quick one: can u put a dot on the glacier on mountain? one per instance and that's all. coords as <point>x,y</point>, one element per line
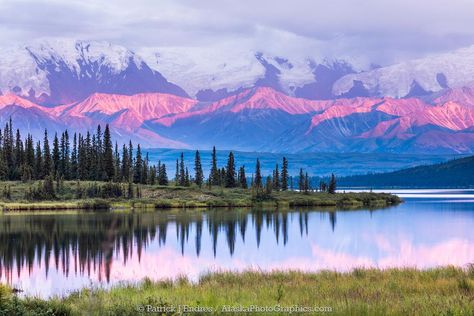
<point>432,73</point>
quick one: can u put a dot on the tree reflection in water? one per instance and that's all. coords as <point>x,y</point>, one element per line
<point>87,242</point>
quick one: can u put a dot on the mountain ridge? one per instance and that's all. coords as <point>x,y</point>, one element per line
<point>452,173</point>
<point>265,119</point>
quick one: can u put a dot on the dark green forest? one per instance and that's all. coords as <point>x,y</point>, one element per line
<point>457,173</point>
<point>95,157</point>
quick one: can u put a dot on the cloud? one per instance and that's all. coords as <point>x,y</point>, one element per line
<point>383,31</point>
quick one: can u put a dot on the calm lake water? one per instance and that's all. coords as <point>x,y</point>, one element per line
<point>45,254</point>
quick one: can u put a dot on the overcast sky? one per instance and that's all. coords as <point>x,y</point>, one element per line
<point>383,31</point>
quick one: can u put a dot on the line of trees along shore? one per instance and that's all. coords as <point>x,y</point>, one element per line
<point>94,157</point>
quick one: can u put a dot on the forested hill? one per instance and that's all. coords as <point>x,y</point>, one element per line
<point>454,173</point>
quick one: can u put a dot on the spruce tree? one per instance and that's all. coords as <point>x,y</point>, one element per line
<point>222,176</point>
<point>47,162</point>
<point>152,175</point>
<point>258,175</point>
<point>276,178</point>
<point>214,173</point>
<point>332,184</point>
<point>3,168</point>
<point>187,181</point>
<point>268,186</point>
<point>56,155</point>
<point>284,175</point>
<point>163,178</point>
<point>306,183</point>
<point>100,173</point>
<point>117,166</point>
<point>125,170</point>
<point>230,181</point>
<point>88,157</point>
<point>301,181</point>
<point>74,157</point>
<point>30,154</point>
<point>130,160</point>
<point>38,173</point>
<point>8,147</point>
<point>242,178</point>
<point>177,177</point>
<point>198,174</point>
<point>138,170</point>
<point>83,157</point>
<point>144,175</point>
<point>93,155</point>
<point>18,155</point>
<point>182,172</point>
<point>108,157</point>
<point>65,156</point>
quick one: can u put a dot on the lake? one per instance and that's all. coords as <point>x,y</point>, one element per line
<point>53,254</point>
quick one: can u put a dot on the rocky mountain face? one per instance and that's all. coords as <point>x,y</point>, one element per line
<point>61,71</point>
<point>264,119</point>
<point>249,101</point>
<point>419,77</point>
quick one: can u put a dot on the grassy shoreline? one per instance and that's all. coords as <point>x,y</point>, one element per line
<point>440,291</point>
<point>165,197</point>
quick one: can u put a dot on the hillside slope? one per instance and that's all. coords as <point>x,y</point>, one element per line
<point>454,173</point>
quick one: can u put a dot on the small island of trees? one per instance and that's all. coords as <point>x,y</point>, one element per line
<point>92,165</point>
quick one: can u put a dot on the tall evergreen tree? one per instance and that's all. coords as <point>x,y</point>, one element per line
<point>47,162</point>
<point>306,183</point>
<point>332,184</point>
<point>65,163</point>
<point>108,157</point>
<point>258,175</point>
<point>117,165</point>
<point>182,172</point>
<point>74,154</point>
<point>222,176</point>
<point>214,173</point>
<point>230,181</point>
<point>268,185</point>
<point>17,155</point>
<point>276,178</point>
<point>125,170</point>
<point>83,157</point>
<point>187,181</point>
<point>145,175</point>
<point>99,155</point>
<point>8,148</point>
<point>198,174</point>
<point>56,155</point>
<point>242,178</point>
<point>38,174</point>
<point>130,160</point>
<point>94,156</point>
<point>138,170</point>
<point>301,181</point>
<point>284,174</point>
<point>152,175</point>
<point>176,177</point>
<point>163,177</point>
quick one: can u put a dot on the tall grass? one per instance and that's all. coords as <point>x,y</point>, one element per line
<point>441,291</point>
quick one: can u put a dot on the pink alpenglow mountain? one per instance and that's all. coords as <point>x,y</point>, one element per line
<point>264,119</point>
<point>256,99</point>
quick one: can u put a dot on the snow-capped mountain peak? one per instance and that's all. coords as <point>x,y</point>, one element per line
<point>73,53</point>
<point>414,77</point>
<point>54,71</point>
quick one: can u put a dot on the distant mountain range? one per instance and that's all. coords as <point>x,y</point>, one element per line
<point>454,173</point>
<point>253,102</point>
